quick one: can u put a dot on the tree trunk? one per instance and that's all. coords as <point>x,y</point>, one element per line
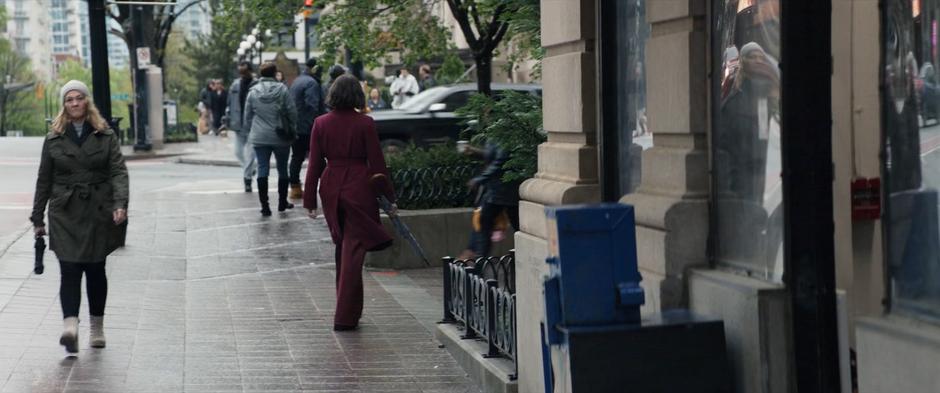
<point>484,63</point>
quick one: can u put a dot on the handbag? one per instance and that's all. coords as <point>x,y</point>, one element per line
<point>286,133</point>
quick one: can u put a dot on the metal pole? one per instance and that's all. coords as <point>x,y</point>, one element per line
<point>140,87</point>
<point>306,37</point>
<point>100,78</point>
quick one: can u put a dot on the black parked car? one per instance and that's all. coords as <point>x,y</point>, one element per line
<point>428,118</point>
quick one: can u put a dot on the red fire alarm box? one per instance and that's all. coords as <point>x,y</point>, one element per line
<point>866,199</point>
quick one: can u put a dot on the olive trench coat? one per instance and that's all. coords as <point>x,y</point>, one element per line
<point>83,186</point>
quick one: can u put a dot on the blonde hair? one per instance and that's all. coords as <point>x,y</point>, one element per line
<point>92,116</point>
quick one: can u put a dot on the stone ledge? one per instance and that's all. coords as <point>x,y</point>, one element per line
<point>550,193</point>
<point>440,232</point>
<point>490,374</point>
<point>897,354</point>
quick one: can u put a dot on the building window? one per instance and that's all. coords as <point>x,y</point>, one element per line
<point>746,158</point>
<point>911,122</point>
<point>624,34</point>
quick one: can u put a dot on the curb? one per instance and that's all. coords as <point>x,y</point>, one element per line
<point>207,161</point>
<point>135,157</point>
<point>7,241</point>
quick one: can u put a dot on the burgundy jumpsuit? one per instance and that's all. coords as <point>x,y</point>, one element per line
<point>344,154</point>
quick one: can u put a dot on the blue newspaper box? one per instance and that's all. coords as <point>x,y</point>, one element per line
<point>592,310</point>
<point>594,278</point>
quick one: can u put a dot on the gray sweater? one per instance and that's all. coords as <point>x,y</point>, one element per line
<point>268,107</point>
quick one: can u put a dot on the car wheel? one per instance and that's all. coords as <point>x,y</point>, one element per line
<point>393,146</point>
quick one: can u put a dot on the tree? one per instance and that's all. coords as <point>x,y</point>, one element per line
<point>156,24</point>
<point>373,28</point>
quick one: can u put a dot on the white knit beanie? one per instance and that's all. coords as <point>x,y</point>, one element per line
<point>73,85</point>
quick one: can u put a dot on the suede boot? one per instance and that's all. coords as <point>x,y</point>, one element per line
<point>263,196</point>
<point>96,339</point>
<point>247,184</point>
<point>69,337</point>
<point>282,203</point>
<point>296,192</point>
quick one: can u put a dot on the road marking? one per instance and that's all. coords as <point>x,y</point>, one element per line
<point>929,146</point>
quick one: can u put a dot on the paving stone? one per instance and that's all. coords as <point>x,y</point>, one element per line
<point>210,297</point>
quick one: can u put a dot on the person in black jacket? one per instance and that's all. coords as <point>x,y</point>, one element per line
<point>308,98</point>
<point>498,196</point>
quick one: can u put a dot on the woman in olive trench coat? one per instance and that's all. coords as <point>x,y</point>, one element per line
<point>83,178</point>
<point>344,154</point>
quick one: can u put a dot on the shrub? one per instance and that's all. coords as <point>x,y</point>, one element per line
<point>431,178</point>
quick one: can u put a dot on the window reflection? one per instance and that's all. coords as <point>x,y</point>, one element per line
<point>746,138</point>
<point>912,159</point>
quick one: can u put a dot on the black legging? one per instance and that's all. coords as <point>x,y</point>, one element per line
<point>70,292</point>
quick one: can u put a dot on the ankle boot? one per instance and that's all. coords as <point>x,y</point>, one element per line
<point>69,337</point>
<point>247,184</point>
<point>282,203</point>
<point>296,192</point>
<point>263,196</point>
<point>96,339</point>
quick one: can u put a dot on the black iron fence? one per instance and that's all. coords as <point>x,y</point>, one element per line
<point>480,295</point>
<point>434,187</point>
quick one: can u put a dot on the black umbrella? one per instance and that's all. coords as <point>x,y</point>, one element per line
<point>40,246</point>
<point>382,188</point>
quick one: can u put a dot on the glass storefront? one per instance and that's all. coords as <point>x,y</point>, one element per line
<point>911,145</point>
<point>746,157</point>
<point>623,90</point>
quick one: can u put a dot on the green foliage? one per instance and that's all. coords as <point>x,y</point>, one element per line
<point>266,14</point>
<point>514,122</point>
<point>180,137</point>
<point>213,56</point>
<point>431,157</point>
<point>525,32</point>
<point>373,29</point>
<point>451,70</point>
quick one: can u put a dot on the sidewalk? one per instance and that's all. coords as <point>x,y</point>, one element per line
<point>209,150</point>
<point>208,296</point>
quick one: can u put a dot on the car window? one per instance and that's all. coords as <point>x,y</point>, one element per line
<point>456,100</point>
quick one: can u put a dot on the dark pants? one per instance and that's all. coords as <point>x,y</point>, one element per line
<point>263,152</point>
<point>70,292</point>
<point>488,214</point>
<point>350,256</point>
<point>298,154</point>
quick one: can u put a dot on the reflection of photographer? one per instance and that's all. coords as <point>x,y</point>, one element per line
<point>403,88</point>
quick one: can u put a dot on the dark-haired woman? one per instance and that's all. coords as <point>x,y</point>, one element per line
<point>344,154</point>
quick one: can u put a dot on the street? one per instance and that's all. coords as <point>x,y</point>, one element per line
<point>208,296</point>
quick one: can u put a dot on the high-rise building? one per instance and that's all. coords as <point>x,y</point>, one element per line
<point>28,31</point>
<point>194,21</point>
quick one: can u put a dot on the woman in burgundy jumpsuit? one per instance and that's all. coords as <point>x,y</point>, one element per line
<point>344,154</point>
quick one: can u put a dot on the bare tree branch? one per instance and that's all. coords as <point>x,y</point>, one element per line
<point>460,14</point>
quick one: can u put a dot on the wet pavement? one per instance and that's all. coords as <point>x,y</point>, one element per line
<point>208,296</point>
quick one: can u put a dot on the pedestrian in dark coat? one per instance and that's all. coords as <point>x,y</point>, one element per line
<point>498,196</point>
<point>308,98</point>
<point>83,178</point>
<point>344,154</point>
<point>219,102</point>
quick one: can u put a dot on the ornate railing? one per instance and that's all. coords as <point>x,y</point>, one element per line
<point>433,187</point>
<point>480,295</point>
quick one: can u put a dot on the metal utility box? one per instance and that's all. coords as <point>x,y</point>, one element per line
<point>592,313</point>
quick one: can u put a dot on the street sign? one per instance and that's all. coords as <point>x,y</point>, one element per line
<point>143,57</point>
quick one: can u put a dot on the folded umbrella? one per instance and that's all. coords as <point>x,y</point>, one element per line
<point>383,190</point>
<point>40,246</point>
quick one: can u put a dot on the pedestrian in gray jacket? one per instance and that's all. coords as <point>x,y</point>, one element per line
<point>308,97</point>
<point>236,101</point>
<point>271,117</point>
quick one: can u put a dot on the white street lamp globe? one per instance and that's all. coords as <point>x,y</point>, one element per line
<point>251,39</point>
<point>240,52</point>
<point>244,45</point>
<point>254,31</point>
<point>267,33</point>
<point>258,45</point>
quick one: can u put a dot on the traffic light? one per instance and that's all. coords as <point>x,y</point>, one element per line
<point>308,8</point>
<point>308,3</point>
